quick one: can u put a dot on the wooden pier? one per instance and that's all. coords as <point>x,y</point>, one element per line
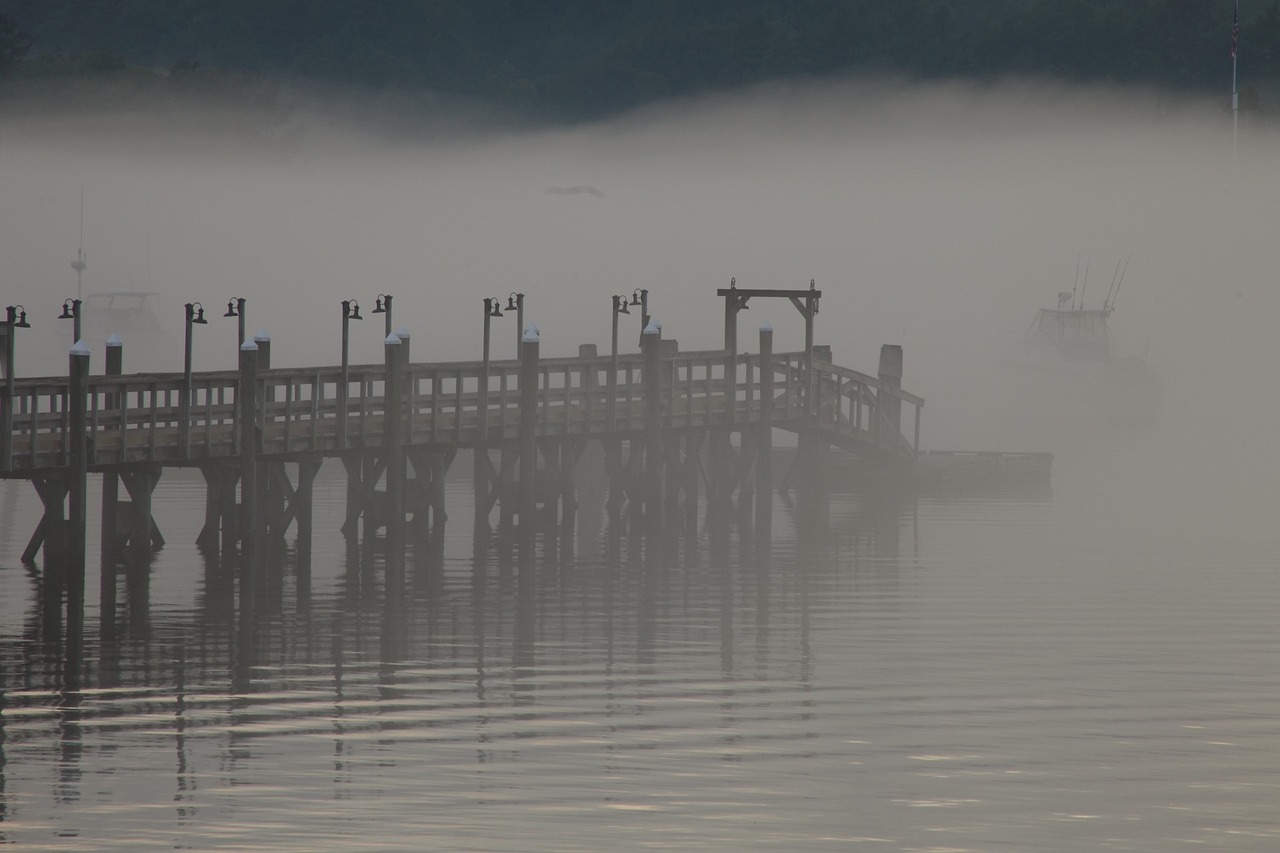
<point>678,430</point>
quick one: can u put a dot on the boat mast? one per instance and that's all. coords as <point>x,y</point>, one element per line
<point>1075,285</point>
<point>81,262</point>
<point>1111,298</point>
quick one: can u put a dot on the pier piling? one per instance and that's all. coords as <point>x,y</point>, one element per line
<point>528,500</point>
<point>247,399</point>
<point>764,440</point>
<point>76,493</point>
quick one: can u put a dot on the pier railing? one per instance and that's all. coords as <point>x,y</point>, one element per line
<point>140,417</point>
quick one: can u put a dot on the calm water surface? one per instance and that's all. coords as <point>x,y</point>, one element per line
<point>1091,667</point>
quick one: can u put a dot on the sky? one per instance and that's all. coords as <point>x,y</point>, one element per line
<point>939,217</point>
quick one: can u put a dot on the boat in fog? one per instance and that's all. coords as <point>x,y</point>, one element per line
<point>1073,373</point>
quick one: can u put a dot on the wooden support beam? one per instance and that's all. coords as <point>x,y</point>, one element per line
<point>488,484</point>
<point>220,497</point>
<point>623,472</point>
<point>48,534</point>
<point>142,535</point>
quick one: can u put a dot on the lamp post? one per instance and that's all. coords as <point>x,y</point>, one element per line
<point>382,305</point>
<point>515,302</point>
<point>71,311</point>
<point>640,297</point>
<point>195,315</point>
<point>620,306</point>
<point>491,310</point>
<point>350,311</point>
<point>16,318</point>
<point>235,308</point>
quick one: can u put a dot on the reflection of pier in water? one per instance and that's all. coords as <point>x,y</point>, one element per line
<point>498,636</point>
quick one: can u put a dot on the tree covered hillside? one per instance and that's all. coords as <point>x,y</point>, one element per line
<point>572,59</point>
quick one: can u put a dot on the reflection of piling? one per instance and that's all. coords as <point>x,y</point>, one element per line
<point>77,486</point>
<point>764,439</point>
<point>303,503</point>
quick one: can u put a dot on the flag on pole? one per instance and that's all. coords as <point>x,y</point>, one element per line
<point>1235,30</point>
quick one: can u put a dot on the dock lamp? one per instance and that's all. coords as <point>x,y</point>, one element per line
<point>71,311</point>
<point>195,316</point>
<point>515,302</point>
<point>491,310</point>
<point>382,305</point>
<point>16,318</point>
<point>350,311</point>
<point>640,297</point>
<point>235,308</point>
<point>620,306</point>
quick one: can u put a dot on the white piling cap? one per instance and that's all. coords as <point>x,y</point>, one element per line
<point>402,332</point>
<point>765,327</point>
<point>261,335</point>
<point>654,328</point>
<point>531,334</point>
<point>248,346</point>
<point>80,348</point>
<point>392,340</point>
<point>114,341</point>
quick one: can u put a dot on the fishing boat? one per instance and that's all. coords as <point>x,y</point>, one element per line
<point>1072,371</point>
<point>128,314</point>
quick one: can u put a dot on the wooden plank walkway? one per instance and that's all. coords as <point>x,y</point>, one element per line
<point>137,418</point>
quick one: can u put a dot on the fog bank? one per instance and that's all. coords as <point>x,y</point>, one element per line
<point>938,217</point>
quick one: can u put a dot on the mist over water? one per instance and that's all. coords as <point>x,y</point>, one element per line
<point>1081,667</point>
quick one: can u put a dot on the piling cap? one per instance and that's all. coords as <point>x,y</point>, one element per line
<point>765,327</point>
<point>80,348</point>
<point>262,337</point>
<point>531,334</point>
<point>654,328</point>
<point>114,341</point>
<point>402,332</point>
<point>248,346</point>
<point>393,339</point>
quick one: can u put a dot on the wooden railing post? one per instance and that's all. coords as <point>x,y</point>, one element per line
<point>888,402</point>
<point>263,340</point>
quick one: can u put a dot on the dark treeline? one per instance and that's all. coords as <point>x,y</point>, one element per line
<point>585,58</point>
